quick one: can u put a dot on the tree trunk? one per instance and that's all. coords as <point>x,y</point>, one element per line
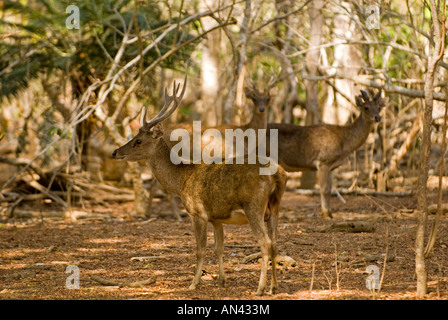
<point>422,218</point>
<point>289,96</point>
<point>347,61</point>
<point>239,61</point>
<point>209,69</point>
<point>312,58</point>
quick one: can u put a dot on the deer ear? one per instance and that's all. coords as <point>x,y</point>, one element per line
<point>359,101</point>
<point>248,92</point>
<point>157,131</point>
<point>383,101</point>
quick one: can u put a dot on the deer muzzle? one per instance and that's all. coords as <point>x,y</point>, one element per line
<point>116,156</point>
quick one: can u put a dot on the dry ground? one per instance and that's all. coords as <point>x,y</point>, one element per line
<point>35,253</point>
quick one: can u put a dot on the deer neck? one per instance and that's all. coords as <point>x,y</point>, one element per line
<point>258,121</point>
<point>169,175</point>
<point>357,133</point>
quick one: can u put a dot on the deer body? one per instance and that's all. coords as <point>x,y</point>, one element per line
<point>324,144</point>
<point>324,147</point>
<point>259,107</point>
<point>216,193</point>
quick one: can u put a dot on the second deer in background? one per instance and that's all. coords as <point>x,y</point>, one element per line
<point>324,147</point>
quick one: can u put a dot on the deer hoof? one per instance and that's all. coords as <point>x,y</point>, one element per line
<point>193,286</point>
<point>222,282</point>
<point>326,215</point>
<point>259,292</point>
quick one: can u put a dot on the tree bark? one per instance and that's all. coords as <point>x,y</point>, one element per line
<point>238,63</point>
<point>347,60</point>
<point>422,218</point>
<point>312,58</point>
<point>209,69</point>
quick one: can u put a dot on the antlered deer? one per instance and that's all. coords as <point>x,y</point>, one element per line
<point>324,147</point>
<point>216,193</point>
<point>260,105</point>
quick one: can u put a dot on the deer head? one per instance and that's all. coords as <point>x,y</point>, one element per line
<point>143,144</point>
<point>261,99</point>
<point>370,107</point>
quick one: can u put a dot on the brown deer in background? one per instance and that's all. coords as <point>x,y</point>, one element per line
<point>324,147</point>
<point>216,193</point>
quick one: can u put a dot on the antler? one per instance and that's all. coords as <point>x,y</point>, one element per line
<point>273,80</point>
<point>249,81</point>
<point>378,94</point>
<point>365,95</point>
<point>163,114</point>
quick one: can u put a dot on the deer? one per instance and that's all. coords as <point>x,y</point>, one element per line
<point>215,193</point>
<point>323,147</point>
<point>259,107</point>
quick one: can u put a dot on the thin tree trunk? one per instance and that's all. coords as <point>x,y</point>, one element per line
<point>348,61</point>
<point>422,218</point>
<point>209,68</point>
<point>312,58</point>
<point>239,62</point>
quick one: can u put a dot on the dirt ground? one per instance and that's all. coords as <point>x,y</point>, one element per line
<point>35,254</point>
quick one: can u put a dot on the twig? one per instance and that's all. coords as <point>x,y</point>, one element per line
<point>385,259</point>
<point>136,284</point>
<point>312,275</point>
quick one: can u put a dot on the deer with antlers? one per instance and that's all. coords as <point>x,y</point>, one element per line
<point>259,108</point>
<point>323,147</point>
<point>216,193</point>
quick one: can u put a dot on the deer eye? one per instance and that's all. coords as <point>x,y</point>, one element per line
<point>137,142</point>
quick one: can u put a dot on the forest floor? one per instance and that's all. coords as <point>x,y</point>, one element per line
<point>35,254</point>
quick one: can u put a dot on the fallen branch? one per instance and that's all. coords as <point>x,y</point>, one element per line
<point>286,261</point>
<point>346,226</point>
<point>148,258</point>
<point>136,284</point>
<point>355,192</point>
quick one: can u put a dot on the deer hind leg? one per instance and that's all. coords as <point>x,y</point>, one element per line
<point>219,248</point>
<point>258,226</point>
<point>324,176</point>
<point>272,232</point>
<point>200,232</point>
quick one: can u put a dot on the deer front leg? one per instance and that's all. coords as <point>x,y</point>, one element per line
<point>176,211</point>
<point>324,176</point>
<point>200,232</point>
<point>219,248</point>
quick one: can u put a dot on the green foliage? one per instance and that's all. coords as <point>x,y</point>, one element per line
<point>80,54</point>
